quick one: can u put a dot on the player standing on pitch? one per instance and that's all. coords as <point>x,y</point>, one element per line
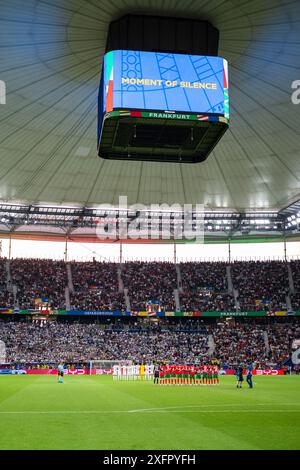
<point>240,378</point>
<point>249,376</point>
<point>60,373</point>
<point>216,375</point>
<point>156,374</point>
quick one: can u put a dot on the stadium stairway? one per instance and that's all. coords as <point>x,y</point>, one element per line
<point>127,300</point>
<point>211,345</point>
<point>67,297</point>
<point>229,279</point>
<point>179,280</point>
<point>177,301</point>
<point>288,302</point>
<point>15,291</point>
<point>291,281</point>
<point>236,299</point>
<point>266,340</point>
<point>231,289</point>
<point>120,281</point>
<point>292,290</point>
<point>70,279</point>
<point>121,289</point>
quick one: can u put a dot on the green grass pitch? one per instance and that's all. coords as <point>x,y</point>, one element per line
<point>94,412</point>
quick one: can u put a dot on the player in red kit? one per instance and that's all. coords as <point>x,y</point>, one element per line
<point>216,375</point>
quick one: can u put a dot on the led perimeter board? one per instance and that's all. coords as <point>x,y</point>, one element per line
<point>161,106</point>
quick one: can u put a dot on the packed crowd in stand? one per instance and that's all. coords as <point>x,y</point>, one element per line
<point>37,278</point>
<point>261,285</point>
<point>280,340</point>
<point>295,268</point>
<point>6,297</point>
<point>242,341</point>
<point>148,282</point>
<point>164,324</point>
<point>266,345</point>
<point>96,287</point>
<point>204,287</point>
<point>82,342</point>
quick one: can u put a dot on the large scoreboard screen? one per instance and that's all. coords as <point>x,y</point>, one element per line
<point>162,107</point>
<point>165,82</point>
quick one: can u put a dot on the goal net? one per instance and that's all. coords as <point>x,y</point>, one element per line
<point>103,367</point>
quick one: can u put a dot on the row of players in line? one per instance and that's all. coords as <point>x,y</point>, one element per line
<point>196,375</point>
<point>186,375</point>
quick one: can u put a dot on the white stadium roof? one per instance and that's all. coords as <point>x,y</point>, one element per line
<point>51,53</point>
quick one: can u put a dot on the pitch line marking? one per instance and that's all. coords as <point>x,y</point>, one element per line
<point>151,411</point>
<point>170,408</point>
<point>174,409</point>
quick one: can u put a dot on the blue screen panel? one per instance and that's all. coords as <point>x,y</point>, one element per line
<point>165,82</point>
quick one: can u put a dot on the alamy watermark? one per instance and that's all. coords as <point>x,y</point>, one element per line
<point>296,94</point>
<point>2,92</point>
<point>154,222</point>
<point>296,357</point>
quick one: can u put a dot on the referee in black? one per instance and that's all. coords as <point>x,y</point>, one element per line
<point>156,375</point>
<point>240,378</point>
